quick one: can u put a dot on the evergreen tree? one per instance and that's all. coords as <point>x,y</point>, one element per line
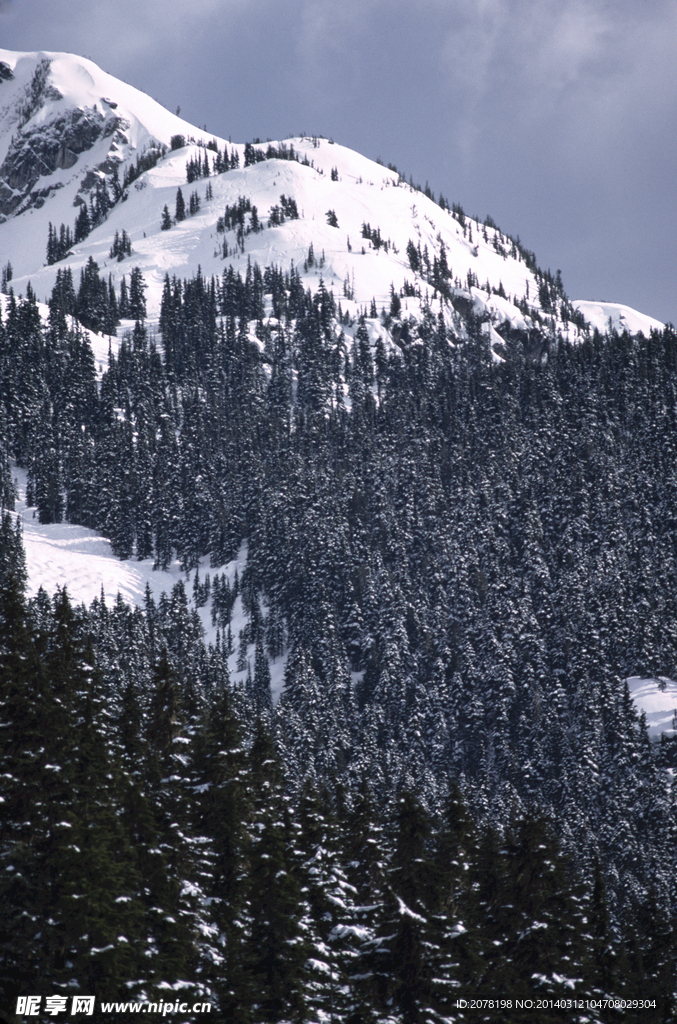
<point>533,920</point>
<point>277,949</point>
<point>82,224</point>
<point>180,209</point>
<point>137,298</point>
<point>331,918</point>
<point>70,901</point>
<point>223,814</point>
<point>403,953</point>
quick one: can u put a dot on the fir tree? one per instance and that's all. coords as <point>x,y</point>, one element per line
<point>277,948</point>
<point>180,209</point>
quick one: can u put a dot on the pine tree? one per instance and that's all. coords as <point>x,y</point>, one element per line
<point>180,209</point>
<point>178,891</point>
<point>277,948</point>
<point>261,695</point>
<point>532,917</point>
<point>69,891</point>
<point>121,247</point>
<point>82,224</point>
<point>137,298</point>
<point>224,814</point>
<point>331,921</point>
<point>403,953</point>
<point>457,920</point>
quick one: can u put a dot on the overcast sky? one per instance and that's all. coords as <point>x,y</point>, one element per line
<point>557,117</point>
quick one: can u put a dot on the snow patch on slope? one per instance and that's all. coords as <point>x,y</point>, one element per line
<point>82,561</point>
<point>63,555</point>
<point>617,317</point>
<point>657,698</point>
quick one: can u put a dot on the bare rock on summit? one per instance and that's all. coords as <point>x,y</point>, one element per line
<point>41,150</point>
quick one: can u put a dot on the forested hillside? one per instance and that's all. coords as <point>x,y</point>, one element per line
<point>373,754</point>
<point>462,559</point>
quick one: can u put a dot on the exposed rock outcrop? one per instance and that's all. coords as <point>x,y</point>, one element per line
<point>42,150</point>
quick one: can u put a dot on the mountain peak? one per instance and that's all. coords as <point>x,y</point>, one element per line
<point>62,117</point>
<point>70,134</point>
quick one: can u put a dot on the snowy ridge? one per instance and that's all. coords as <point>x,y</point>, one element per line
<point>485,267</point>
<point>614,316</point>
<point>75,82</point>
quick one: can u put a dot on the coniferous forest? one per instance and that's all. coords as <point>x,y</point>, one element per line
<point>454,798</point>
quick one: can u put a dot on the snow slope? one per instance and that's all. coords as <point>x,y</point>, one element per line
<point>614,316</point>
<point>364,193</point>
<point>62,555</point>
<point>486,267</point>
<point>657,698</point>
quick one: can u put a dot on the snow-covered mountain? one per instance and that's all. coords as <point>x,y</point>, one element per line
<point>69,133</point>
<point>66,128</point>
<point>63,124</point>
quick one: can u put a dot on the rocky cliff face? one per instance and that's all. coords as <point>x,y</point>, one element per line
<point>38,150</point>
<point>37,153</point>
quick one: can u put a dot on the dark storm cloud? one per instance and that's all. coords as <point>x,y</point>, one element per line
<point>555,116</point>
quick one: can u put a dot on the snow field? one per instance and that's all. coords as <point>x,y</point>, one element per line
<point>82,561</point>
<point>605,315</point>
<point>657,698</point>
